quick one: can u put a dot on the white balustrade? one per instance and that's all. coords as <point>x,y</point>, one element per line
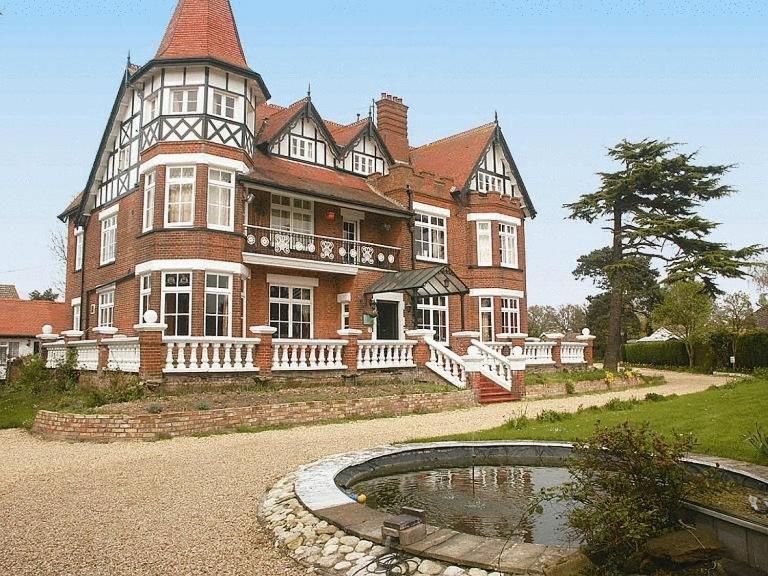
<point>210,354</point>
<point>87,354</point>
<point>538,352</point>
<point>289,354</point>
<point>494,365</point>
<point>124,354</point>
<point>390,354</point>
<point>498,347</point>
<point>572,352</point>
<point>447,364</point>
<point>57,354</point>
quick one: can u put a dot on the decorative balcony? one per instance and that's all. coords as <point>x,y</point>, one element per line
<point>274,242</point>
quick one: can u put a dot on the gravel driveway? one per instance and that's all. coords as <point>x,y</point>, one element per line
<point>188,506</point>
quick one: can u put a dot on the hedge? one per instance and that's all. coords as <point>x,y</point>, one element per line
<point>668,353</point>
<point>752,350</point>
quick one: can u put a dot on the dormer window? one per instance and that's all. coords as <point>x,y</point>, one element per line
<point>362,164</point>
<point>489,183</point>
<point>184,101</point>
<point>302,148</point>
<point>224,105</point>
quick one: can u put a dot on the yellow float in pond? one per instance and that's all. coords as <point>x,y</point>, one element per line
<point>362,498</point>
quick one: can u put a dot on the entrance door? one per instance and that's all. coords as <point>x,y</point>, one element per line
<point>387,324</point>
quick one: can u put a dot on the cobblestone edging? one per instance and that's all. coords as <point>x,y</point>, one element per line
<point>325,549</point>
<point>111,427</point>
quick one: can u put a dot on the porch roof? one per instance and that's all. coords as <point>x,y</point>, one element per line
<point>433,281</point>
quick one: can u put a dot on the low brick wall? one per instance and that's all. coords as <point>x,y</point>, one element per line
<point>111,427</point>
<point>555,390</point>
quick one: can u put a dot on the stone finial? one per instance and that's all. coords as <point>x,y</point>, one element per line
<point>150,317</point>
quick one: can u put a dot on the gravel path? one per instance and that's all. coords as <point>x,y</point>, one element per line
<point>188,506</point>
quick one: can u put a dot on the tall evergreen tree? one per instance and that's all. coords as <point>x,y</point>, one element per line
<point>650,208</point>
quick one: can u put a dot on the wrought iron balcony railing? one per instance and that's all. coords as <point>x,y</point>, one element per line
<point>276,242</point>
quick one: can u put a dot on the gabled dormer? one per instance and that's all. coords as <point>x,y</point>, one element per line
<point>297,132</point>
<point>362,149</point>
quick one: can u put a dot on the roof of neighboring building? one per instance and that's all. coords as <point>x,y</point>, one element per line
<point>203,29</point>
<point>26,318</point>
<point>9,292</point>
<point>761,317</point>
<point>660,335</point>
<point>318,181</point>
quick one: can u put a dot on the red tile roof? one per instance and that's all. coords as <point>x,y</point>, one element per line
<point>319,181</point>
<point>203,29</point>
<point>344,135</point>
<point>455,156</point>
<point>276,117</point>
<point>26,318</point>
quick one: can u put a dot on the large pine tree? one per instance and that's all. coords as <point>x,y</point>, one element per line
<point>650,208</point>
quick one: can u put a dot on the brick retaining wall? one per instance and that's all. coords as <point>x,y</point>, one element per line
<point>586,387</point>
<point>111,427</point>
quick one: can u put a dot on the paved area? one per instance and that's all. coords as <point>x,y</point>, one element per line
<point>188,506</point>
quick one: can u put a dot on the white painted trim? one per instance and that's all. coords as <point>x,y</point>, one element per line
<point>391,297</point>
<point>193,159</point>
<point>500,292</point>
<point>297,264</point>
<point>348,214</point>
<point>345,297</point>
<point>298,281</point>
<point>431,210</point>
<point>493,217</point>
<point>75,301</point>
<point>107,288</point>
<point>79,231</point>
<point>108,212</point>
<point>191,264</point>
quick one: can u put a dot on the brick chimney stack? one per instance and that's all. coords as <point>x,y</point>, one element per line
<point>392,122</point>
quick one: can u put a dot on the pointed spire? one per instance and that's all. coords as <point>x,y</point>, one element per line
<point>496,117</point>
<point>128,60</point>
<point>203,29</point>
<point>309,90</point>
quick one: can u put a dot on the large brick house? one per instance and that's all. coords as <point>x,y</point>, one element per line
<point>221,210</point>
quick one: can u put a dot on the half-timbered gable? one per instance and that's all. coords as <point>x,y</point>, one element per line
<point>363,151</point>
<point>304,137</point>
<point>493,173</point>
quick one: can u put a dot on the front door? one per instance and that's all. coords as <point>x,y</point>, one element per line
<point>387,322</point>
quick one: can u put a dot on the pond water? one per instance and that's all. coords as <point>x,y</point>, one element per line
<point>482,500</point>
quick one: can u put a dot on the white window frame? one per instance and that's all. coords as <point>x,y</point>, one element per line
<point>221,105</point>
<point>185,100</point>
<point>303,148</point>
<point>345,317</point>
<point>290,301</point>
<point>108,250</point>
<point>435,221</point>
<point>431,307</point>
<point>148,212</point>
<point>106,316</point>
<point>79,241</point>
<point>181,181</point>
<point>293,212</point>
<point>124,158</point>
<point>218,291</point>
<point>510,308</point>
<point>484,235</point>
<point>485,310</point>
<point>152,108</point>
<point>145,295</point>
<point>490,183</point>
<point>76,315</point>
<point>363,163</point>
<point>216,182</point>
<point>164,290</point>
<point>508,245</point>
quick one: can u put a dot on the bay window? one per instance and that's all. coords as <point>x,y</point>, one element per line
<point>221,193</point>
<point>484,244</point>
<point>508,243</point>
<point>432,314</point>
<point>224,105</point>
<point>510,315</point>
<point>108,239</point>
<point>184,101</point>
<point>180,196</point>
<point>107,308</point>
<point>486,319</point>
<point>148,214</point>
<point>218,298</point>
<point>145,293</point>
<point>177,303</point>
<point>290,311</point>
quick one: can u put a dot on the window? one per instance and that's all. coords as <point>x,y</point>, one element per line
<point>223,105</point>
<point>78,248</point>
<point>508,241</point>
<point>486,319</point>
<point>351,236</point>
<point>177,303</point>
<point>75,316</point>
<point>184,101</point>
<point>290,311</point>
<point>124,159</point>
<point>302,148</point>
<point>148,217</point>
<point>362,164</point>
<point>432,314</point>
<point>489,183</point>
<point>145,293</point>
<point>107,308</point>
<point>152,108</point>
<point>292,214</point>
<point>430,237</point>
<point>8,351</point>
<point>510,315</point>
<point>108,239</point>
<point>484,244</point>
<point>180,196</point>
<point>221,191</point>
<point>344,315</point>
<point>218,294</point>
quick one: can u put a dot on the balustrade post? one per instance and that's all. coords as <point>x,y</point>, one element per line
<point>421,352</point>
<point>517,365</point>
<point>349,354</point>
<point>461,341</point>
<point>557,338</point>
<point>264,355</point>
<point>512,339</point>
<point>101,333</point>
<point>589,349</point>
<point>152,353</point>
<point>46,336</point>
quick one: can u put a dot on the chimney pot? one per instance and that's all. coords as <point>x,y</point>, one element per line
<point>392,122</point>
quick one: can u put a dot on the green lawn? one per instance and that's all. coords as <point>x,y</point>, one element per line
<point>720,419</point>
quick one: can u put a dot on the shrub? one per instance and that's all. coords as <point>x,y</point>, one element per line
<point>32,375</point>
<point>759,440</point>
<point>653,397</point>
<point>618,405</point>
<point>629,485</point>
<point>669,353</point>
<point>518,422</point>
<point>121,387</point>
<point>752,350</point>
<point>202,405</point>
<point>553,416</point>
<point>570,388</point>
<point>155,408</point>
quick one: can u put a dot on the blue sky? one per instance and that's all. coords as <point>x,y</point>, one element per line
<point>568,80</point>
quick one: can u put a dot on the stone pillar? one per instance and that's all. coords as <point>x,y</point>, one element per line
<point>351,335</point>
<point>421,352</point>
<point>72,335</point>
<point>263,359</point>
<point>46,336</point>
<point>103,333</point>
<point>473,363</point>
<point>461,341</point>
<point>589,350</point>
<point>557,337</point>
<point>151,350</point>
<point>517,362</point>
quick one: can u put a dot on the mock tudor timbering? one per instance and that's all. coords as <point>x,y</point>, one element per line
<point>220,210</point>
